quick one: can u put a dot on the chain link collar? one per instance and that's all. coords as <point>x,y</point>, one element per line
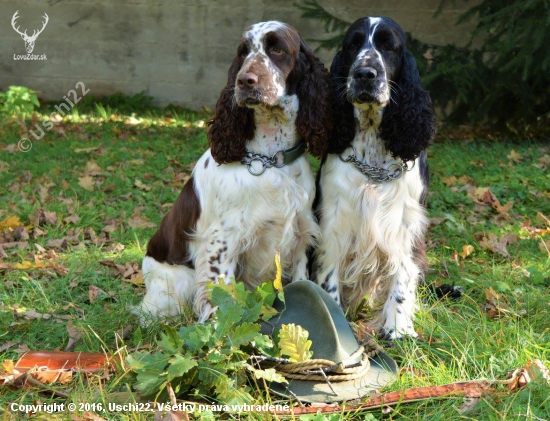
<point>376,174</point>
<point>278,160</point>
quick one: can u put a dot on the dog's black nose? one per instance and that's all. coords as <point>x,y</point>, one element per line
<point>365,73</point>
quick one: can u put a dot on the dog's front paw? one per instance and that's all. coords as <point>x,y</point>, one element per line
<point>393,333</point>
<point>207,311</point>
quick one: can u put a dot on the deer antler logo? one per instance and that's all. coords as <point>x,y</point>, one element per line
<point>29,40</point>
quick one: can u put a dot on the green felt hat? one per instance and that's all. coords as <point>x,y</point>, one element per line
<point>309,306</point>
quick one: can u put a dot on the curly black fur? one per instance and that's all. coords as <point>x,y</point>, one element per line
<point>343,130</point>
<point>408,122</point>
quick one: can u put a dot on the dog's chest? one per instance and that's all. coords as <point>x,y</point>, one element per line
<point>262,214</point>
<point>376,216</point>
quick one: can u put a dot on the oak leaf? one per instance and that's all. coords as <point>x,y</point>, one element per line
<point>294,343</point>
<point>86,182</point>
<point>11,222</point>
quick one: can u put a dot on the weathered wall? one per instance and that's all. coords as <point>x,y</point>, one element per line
<point>178,51</point>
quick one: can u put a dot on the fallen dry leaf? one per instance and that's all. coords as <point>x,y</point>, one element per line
<point>7,366</point>
<point>537,370</point>
<point>491,295</point>
<point>514,156</point>
<point>11,222</point>
<point>139,222</point>
<point>19,244</point>
<point>7,345</point>
<point>450,181</point>
<point>26,264</point>
<point>92,169</point>
<point>74,337</point>
<point>436,221</point>
<point>44,194</point>
<point>86,182</point>
<point>482,195</point>
<point>94,292</point>
<point>117,269</point>
<point>20,233</point>
<point>115,248</point>
<point>140,185</point>
<point>466,251</point>
<point>465,180</point>
<point>33,315</point>
<point>42,217</point>
<point>87,150</point>
<point>502,209</point>
<point>496,245</point>
<point>73,219</point>
<point>468,404</point>
<point>60,244</point>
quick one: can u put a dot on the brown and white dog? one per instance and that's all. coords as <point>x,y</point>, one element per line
<point>251,193</point>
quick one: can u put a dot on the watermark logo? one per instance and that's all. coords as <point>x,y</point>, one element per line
<point>29,39</point>
<point>72,98</point>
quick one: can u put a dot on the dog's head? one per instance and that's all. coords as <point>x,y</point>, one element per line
<point>373,70</point>
<point>272,63</point>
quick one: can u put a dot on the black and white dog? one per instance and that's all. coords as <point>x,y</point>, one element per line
<point>372,183</point>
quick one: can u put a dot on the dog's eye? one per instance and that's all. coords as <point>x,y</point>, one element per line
<point>276,50</point>
<point>388,47</point>
<point>353,47</point>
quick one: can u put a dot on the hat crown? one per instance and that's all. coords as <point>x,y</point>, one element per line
<point>311,307</point>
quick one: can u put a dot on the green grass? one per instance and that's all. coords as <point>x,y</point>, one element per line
<point>137,166</point>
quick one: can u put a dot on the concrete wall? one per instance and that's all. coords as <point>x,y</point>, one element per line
<point>177,51</point>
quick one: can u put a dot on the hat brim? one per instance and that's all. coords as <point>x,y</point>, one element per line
<point>382,370</point>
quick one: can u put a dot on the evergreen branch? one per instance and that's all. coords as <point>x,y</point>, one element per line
<point>313,10</point>
<point>332,24</point>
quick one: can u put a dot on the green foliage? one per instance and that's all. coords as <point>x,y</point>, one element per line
<point>18,101</point>
<point>501,84</point>
<point>123,104</point>
<point>313,10</point>
<point>211,359</point>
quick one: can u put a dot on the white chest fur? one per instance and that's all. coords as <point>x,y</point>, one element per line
<point>369,230</point>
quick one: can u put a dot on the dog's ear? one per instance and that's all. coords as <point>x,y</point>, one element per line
<point>408,123</point>
<point>342,110</point>
<point>314,119</point>
<point>230,126</point>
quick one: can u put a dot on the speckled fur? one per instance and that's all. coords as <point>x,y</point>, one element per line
<point>371,233</point>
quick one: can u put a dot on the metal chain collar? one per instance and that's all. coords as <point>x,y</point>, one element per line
<point>376,174</point>
<point>278,160</point>
<point>266,161</point>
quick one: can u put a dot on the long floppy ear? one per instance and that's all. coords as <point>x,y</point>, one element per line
<point>342,110</point>
<point>408,123</point>
<point>314,120</point>
<point>230,126</point>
